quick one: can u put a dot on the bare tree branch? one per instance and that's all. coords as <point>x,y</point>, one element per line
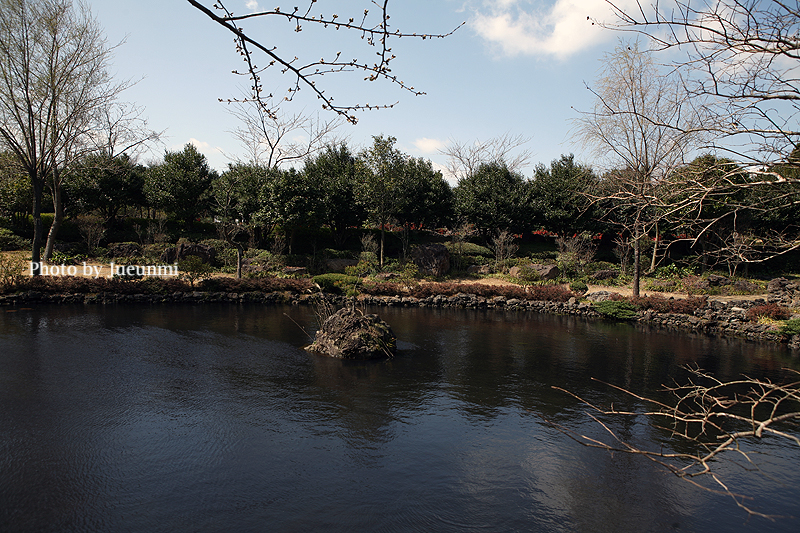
<point>740,65</point>
<point>465,158</point>
<point>274,138</point>
<point>374,30</point>
<point>715,418</point>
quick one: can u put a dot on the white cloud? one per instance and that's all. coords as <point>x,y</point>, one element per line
<point>558,29</point>
<point>252,5</point>
<point>202,147</point>
<point>428,146</point>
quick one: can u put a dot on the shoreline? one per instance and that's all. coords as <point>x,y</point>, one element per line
<point>716,318</point>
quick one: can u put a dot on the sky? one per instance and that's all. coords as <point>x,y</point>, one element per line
<point>516,66</point>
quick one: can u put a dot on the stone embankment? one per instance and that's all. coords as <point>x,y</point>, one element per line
<point>714,318</point>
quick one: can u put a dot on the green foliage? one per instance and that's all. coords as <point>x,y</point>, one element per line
<point>493,197</point>
<point>528,274</point>
<point>336,283</point>
<point>66,258</point>
<point>673,271</point>
<point>181,184</point>
<point>791,327</point>
<point>106,184</point>
<point>574,253</point>
<point>379,179</point>
<point>11,241</point>
<point>616,309</point>
<point>11,271</point>
<point>333,175</point>
<point>578,287</point>
<point>16,193</point>
<point>424,199</point>
<point>192,269</point>
<point>470,248</point>
<point>367,264</point>
<point>558,202</point>
<point>288,201</point>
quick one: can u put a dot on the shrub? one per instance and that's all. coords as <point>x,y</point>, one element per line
<point>574,253</point>
<point>528,273</point>
<point>65,258</point>
<point>10,241</point>
<point>771,310</point>
<point>660,304</point>
<point>262,284</point>
<point>617,310</point>
<point>336,283</point>
<point>688,306</point>
<point>578,287</point>
<point>791,327</point>
<point>193,269</point>
<point>11,271</point>
<point>549,293</point>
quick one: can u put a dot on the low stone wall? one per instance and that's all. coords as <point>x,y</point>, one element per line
<point>715,318</point>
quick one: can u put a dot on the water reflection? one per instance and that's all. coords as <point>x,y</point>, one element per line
<point>213,417</point>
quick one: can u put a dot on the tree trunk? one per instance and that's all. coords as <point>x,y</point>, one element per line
<point>637,254</point>
<point>383,240</point>
<point>239,260</point>
<point>655,252</point>
<point>36,247</point>
<point>58,217</point>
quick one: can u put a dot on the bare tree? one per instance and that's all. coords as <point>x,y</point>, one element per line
<point>121,128</point>
<point>709,420</point>
<point>272,137</point>
<point>737,63</point>
<point>373,28</point>
<point>465,158</point>
<point>53,76</point>
<point>642,130</point>
<point>740,66</point>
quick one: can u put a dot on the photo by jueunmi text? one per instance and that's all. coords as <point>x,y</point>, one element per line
<point>42,269</point>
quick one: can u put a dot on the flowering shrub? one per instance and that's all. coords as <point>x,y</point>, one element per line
<point>660,304</point>
<point>773,311</point>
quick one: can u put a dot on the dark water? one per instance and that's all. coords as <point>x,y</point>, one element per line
<point>214,419</point>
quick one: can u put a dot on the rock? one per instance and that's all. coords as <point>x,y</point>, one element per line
<point>479,269</point>
<point>715,280</point>
<point>600,296</point>
<point>350,334</point>
<point>777,284</point>
<point>605,274</point>
<point>431,259</point>
<point>205,252</point>
<point>385,276</point>
<point>745,286</point>
<point>546,271</point>
<point>124,249</point>
<point>794,342</point>
<point>338,265</point>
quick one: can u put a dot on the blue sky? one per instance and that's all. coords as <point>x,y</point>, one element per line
<point>516,66</point>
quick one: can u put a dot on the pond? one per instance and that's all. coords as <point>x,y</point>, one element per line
<point>212,418</point>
